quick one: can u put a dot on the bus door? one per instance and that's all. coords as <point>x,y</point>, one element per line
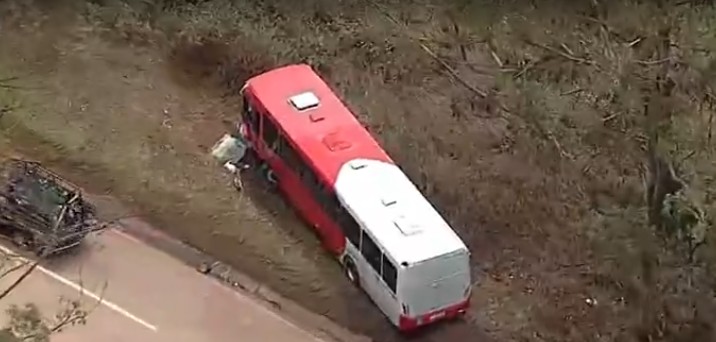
<point>250,119</point>
<point>267,142</point>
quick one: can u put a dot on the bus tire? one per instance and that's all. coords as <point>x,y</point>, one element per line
<point>271,178</point>
<point>351,270</point>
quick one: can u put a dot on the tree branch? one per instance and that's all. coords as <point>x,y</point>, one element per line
<point>561,53</point>
<point>19,280</point>
<point>13,269</point>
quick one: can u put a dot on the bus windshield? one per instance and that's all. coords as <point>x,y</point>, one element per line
<point>436,283</point>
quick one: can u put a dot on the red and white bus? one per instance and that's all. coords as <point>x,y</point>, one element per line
<point>390,240</point>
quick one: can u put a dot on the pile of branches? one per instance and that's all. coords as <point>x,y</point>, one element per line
<point>32,198</point>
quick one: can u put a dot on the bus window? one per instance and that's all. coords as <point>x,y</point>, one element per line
<point>371,252</point>
<point>250,116</point>
<point>270,132</point>
<point>350,227</point>
<point>390,273</point>
<point>311,181</point>
<point>289,155</point>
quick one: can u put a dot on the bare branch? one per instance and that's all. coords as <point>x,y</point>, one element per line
<point>634,42</point>
<point>604,26</point>
<point>654,62</point>
<point>13,269</point>
<point>479,92</point>
<point>712,100</point>
<point>573,91</point>
<point>496,58</point>
<point>562,54</point>
<point>8,79</point>
<point>19,280</point>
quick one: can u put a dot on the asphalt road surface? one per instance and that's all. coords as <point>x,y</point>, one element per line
<point>137,293</point>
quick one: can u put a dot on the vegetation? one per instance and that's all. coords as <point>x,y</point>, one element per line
<point>570,143</point>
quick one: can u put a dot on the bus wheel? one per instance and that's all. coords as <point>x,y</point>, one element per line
<point>352,271</point>
<point>271,178</point>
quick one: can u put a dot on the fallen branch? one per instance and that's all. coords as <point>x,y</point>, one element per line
<point>558,146</point>
<point>8,79</point>
<point>20,279</point>
<point>710,129</point>
<point>524,69</point>
<point>566,49</point>
<point>479,92</point>
<point>609,118</point>
<point>496,58</point>
<point>634,42</point>
<point>711,96</point>
<point>572,92</point>
<point>604,26</point>
<point>688,156</point>
<point>13,269</point>
<point>654,62</point>
<point>561,53</point>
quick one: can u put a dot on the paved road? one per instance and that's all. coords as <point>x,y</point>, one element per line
<point>147,295</point>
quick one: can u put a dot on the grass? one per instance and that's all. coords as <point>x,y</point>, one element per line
<point>543,177</point>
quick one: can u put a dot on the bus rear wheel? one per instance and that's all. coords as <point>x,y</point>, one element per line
<point>351,271</point>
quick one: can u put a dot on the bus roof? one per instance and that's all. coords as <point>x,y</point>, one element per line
<point>341,151</point>
<point>321,127</point>
<point>387,204</point>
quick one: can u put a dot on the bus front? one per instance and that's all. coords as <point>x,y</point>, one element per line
<point>435,289</point>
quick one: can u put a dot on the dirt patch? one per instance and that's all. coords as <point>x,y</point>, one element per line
<point>215,64</point>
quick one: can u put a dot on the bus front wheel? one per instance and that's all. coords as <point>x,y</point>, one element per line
<point>352,271</point>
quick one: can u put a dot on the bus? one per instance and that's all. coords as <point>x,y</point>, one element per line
<point>390,240</point>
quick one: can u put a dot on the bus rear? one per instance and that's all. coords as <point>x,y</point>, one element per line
<point>434,289</point>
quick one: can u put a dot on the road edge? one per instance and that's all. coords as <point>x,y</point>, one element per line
<point>316,324</point>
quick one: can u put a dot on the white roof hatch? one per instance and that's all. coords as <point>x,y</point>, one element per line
<point>407,226</point>
<point>305,100</point>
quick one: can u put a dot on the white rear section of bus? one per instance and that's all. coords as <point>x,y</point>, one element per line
<point>435,284</point>
<point>432,261</point>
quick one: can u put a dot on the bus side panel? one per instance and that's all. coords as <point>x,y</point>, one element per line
<point>376,289</point>
<point>301,198</point>
<point>297,193</point>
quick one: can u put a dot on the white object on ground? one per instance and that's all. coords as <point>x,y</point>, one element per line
<point>229,149</point>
